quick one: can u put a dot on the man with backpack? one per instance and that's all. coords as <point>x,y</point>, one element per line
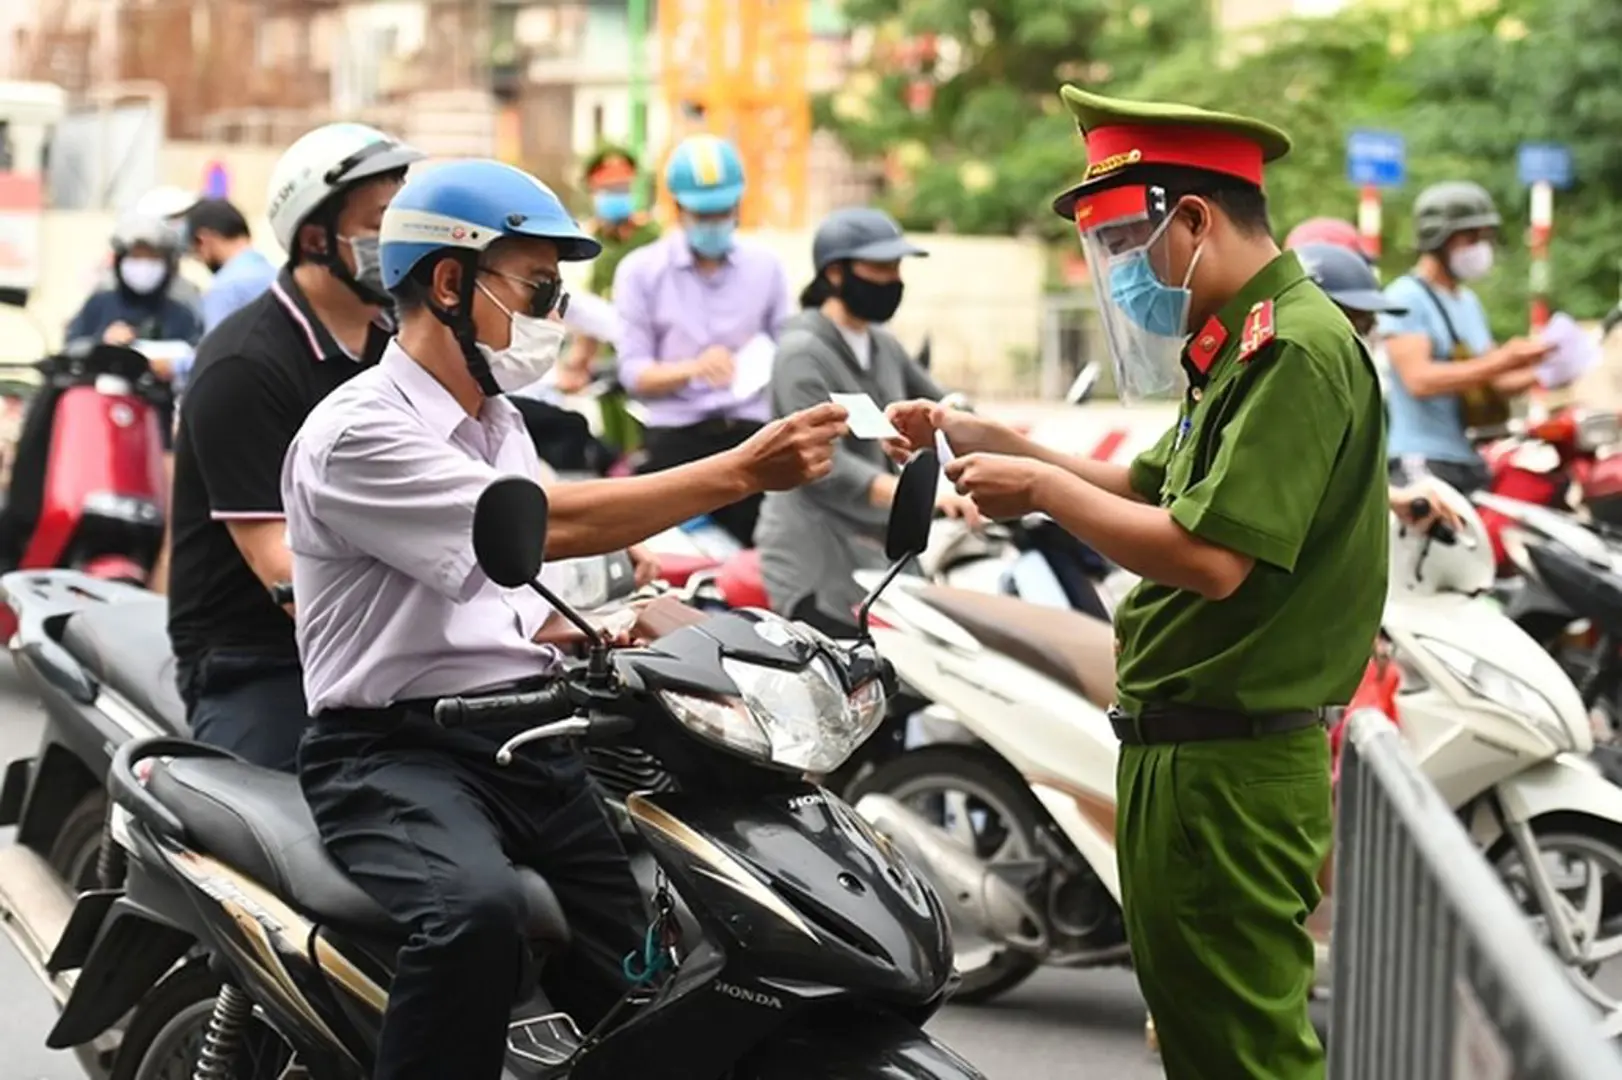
<point>1448,375</point>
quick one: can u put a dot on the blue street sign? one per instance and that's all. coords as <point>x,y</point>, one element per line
<point>1545,163</point>
<point>1376,158</point>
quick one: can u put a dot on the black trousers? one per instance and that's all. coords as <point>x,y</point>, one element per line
<point>669,447</point>
<point>248,703</point>
<point>426,822</point>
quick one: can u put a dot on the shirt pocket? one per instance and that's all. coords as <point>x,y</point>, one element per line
<point>1191,458</point>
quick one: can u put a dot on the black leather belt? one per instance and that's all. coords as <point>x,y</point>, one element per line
<point>1194,723</point>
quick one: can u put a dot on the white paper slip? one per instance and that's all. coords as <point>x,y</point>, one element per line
<point>867,420</point>
<point>752,366</point>
<point>593,317</point>
<point>943,449</point>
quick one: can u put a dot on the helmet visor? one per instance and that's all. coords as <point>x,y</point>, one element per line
<point>1145,320</point>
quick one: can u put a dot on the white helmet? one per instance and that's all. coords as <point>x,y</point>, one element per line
<point>139,228</point>
<point>323,162</point>
<point>165,203</point>
<point>1421,566</point>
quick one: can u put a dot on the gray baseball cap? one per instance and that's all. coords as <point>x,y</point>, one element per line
<point>860,232</point>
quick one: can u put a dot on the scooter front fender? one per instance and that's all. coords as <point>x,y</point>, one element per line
<point>1564,784</point>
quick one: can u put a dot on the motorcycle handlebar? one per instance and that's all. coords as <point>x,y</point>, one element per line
<point>555,702</point>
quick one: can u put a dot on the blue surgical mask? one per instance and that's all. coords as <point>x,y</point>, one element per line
<point>614,207</point>
<point>1141,296</point>
<point>711,239</point>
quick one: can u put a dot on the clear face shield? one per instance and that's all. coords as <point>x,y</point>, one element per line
<point>1145,319</point>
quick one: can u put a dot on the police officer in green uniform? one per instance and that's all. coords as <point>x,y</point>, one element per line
<point>610,176</point>
<point>1258,523</point>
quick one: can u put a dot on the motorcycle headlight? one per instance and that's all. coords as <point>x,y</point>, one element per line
<point>1493,683</point>
<point>800,720</point>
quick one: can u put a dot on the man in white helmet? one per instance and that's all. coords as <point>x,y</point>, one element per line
<point>169,205</point>
<point>256,376</point>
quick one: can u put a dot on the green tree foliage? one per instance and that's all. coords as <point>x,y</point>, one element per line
<point>994,145</point>
<point>1465,81</point>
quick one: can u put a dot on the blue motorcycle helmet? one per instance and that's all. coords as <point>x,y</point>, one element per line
<point>457,211</point>
<point>705,175</point>
<point>1350,282</point>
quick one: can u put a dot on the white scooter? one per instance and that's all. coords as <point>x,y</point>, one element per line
<point>1014,819</point>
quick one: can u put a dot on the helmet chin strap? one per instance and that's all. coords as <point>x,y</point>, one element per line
<point>459,320</point>
<point>339,269</point>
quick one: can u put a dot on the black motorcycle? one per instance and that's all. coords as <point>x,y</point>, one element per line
<point>819,954</point>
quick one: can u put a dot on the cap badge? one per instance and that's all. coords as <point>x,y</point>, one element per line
<point>1112,163</point>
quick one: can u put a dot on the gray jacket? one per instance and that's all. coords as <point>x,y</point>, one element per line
<point>812,540</point>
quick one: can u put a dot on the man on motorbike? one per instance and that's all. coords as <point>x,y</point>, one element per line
<point>257,376</point>
<point>1348,279</point>
<point>812,540</point>
<point>146,257</point>
<point>380,487</point>
<point>1259,524</point>
<point>136,307</point>
<point>689,304</point>
<point>1449,376</point>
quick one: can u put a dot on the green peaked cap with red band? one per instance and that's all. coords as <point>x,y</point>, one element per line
<point>1125,136</point>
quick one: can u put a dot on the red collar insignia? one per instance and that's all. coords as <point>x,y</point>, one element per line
<point>1258,330</point>
<point>1202,350</point>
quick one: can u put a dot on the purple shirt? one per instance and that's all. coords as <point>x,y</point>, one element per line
<point>671,310</point>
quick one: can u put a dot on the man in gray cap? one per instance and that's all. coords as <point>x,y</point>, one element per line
<point>813,539</point>
<point>1448,374</point>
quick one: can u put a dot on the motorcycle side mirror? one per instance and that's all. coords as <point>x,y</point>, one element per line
<point>509,541</point>
<point>912,515</point>
<point>1081,391</point>
<point>509,531</point>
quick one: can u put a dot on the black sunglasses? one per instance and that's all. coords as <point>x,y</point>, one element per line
<point>545,295</point>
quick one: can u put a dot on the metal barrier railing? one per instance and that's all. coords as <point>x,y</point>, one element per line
<point>1437,974</point>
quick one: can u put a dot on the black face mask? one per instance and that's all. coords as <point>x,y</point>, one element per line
<point>869,300</point>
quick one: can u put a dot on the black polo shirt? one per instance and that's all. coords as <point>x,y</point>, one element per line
<point>256,377</point>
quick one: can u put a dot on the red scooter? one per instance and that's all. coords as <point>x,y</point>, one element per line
<point>101,509</point>
<point>1540,463</point>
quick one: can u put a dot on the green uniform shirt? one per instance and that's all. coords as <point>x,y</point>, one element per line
<point>1279,455</point>
<point>617,245</point>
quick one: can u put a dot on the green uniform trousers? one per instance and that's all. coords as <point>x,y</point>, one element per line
<point>1220,845</point>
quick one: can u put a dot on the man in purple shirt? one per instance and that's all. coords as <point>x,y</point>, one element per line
<point>690,304</point>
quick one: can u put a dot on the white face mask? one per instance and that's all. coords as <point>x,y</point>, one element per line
<point>1472,261</point>
<point>142,276</point>
<point>532,348</point>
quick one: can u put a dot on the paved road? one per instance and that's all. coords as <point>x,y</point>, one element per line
<point>1069,1025</point>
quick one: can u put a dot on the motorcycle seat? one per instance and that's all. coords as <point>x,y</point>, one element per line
<point>256,821</point>
<point>125,646</point>
<point>1072,649</point>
